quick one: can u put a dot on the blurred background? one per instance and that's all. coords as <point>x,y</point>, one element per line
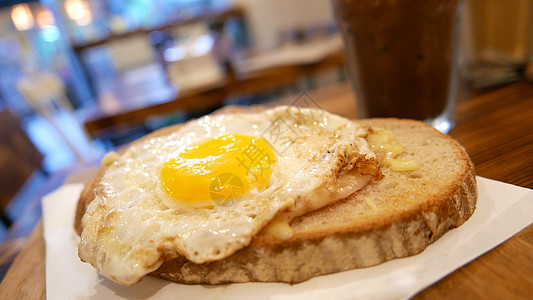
<point>79,78</point>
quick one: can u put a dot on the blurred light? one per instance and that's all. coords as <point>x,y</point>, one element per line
<point>79,11</point>
<point>45,18</point>
<point>174,54</point>
<point>50,33</point>
<point>22,17</point>
<point>202,45</point>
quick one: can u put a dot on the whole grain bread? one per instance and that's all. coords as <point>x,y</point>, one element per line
<point>396,217</point>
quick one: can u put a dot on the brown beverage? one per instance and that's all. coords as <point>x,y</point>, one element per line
<point>401,56</point>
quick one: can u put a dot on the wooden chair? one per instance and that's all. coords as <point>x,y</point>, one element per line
<point>19,159</point>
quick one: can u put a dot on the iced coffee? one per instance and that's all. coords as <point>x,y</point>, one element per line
<point>401,56</point>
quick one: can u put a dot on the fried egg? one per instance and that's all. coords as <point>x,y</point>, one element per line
<point>204,190</point>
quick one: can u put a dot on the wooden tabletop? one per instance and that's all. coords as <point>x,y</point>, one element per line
<point>127,113</point>
<point>496,128</point>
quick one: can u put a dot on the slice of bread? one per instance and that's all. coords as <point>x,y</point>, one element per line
<point>396,217</point>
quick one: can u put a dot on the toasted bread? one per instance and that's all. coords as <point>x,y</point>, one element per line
<point>396,217</point>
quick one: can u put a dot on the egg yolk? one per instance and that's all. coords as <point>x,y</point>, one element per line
<point>218,170</point>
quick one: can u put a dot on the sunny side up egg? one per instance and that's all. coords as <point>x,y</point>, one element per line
<point>204,190</point>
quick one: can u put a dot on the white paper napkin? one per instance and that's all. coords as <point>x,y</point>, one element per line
<point>502,211</point>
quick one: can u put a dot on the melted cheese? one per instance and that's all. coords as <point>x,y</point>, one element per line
<point>383,141</point>
<point>280,229</point>
<point>110,158</point>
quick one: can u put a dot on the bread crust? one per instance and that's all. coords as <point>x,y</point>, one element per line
<point>319,246</point>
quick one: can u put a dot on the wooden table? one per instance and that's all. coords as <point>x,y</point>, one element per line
<point>100,123</point>
<point>496,129</point>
